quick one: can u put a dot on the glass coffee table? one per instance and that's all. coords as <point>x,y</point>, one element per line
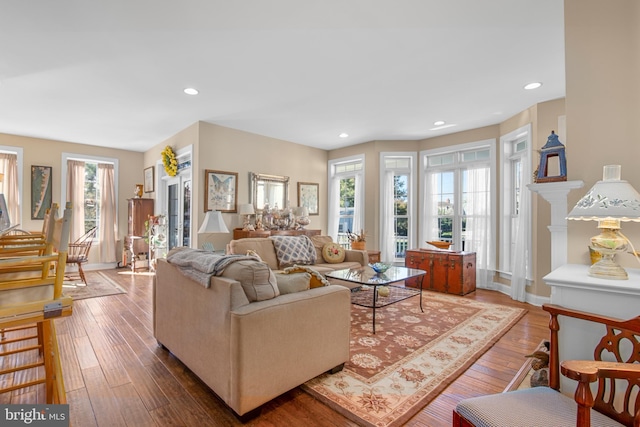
<point>367,293</point>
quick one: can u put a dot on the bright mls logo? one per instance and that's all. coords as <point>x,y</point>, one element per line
<point>34,415</point>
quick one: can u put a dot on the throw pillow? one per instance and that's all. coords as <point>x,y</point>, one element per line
<point>254,254</point>
<point>319,242</point>
<point>291,283</point>
<point>333,253</point>
<point>292,250</point>
<point>317,280</point>
<point>257,279</point>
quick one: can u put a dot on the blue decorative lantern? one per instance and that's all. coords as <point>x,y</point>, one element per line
<point>553,148</point>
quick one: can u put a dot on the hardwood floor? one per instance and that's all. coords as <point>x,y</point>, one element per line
<point>116,375</point>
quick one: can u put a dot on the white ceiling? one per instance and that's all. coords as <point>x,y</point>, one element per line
<point>111,72</point>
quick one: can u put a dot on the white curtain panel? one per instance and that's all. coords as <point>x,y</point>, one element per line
<point>358,204</point>
<point>75,195</point>
<point>387,234</point>
<point>9,186</point>
<point>333,212</point>
<point>520,268</point>
<point>431,208</point>
<point>107,227</point>
<point>479,228</point>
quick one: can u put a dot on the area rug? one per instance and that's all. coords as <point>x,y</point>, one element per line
<point>412,357</point>
<point>98,285</point>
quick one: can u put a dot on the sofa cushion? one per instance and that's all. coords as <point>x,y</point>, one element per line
<point>292,283</point>
<point>317,280</point>
<point>333,253</point>
<point>318,243</point>
<point>263,246</point>
<point>257,279</point>
<point>292,250</point>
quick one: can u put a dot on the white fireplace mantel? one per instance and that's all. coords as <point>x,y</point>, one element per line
<point>556,194</point>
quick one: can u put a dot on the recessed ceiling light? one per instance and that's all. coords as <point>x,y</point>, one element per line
<point>439,123</point>
<point>534,85</point>
<point>191,91</point>
<point>344,135</point>
<point>443,127</point>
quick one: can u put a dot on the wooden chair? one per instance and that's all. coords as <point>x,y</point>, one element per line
<point>79,251</point>
<point>31,292</point>
<point>18,242</point>
<point>616,402</point>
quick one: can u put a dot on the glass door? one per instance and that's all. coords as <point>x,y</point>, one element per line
<point>178,208</point>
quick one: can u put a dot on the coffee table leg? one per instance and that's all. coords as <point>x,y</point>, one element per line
<point>421,280</point>
<point>375,293</point>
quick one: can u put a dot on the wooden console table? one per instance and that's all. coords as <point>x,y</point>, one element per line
<point>239,233</point>
<point>447,271</point>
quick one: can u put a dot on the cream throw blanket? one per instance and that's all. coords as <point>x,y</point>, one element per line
<point>199,265</point>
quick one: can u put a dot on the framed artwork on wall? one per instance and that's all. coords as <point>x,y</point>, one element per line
<point>220,191</point>
<point>40,190</point>
<point>308,196</point>
<point>148,180</point>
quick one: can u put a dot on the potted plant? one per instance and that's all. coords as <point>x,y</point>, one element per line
<point>357,240</point>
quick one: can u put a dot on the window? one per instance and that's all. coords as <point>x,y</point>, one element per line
<point>459,201</point>
<point>11,159</point>
<point>90,183</point>
<point>346,197</point>
<point>397,207</point>
<point>515,200</point>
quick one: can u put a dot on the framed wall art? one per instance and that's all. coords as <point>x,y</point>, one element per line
<point>308,196</point>
<point>40,190</point>
<point>148,180</point>
<point>220,191</point>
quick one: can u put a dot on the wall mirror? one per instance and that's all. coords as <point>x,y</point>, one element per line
<point>270,189</point>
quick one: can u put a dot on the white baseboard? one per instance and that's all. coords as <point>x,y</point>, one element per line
<point>529,298</point>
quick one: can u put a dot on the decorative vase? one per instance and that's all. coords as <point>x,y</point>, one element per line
<point>359,246</point>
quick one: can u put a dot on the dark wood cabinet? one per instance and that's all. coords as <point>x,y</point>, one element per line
<point>239,233</point>
<point>447,271</point>
<point>139,211</point>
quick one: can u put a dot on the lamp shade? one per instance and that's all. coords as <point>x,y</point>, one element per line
<point>213,223</point>
<point>302,211</point>
<point>246,209</point>
<point>609,199</point>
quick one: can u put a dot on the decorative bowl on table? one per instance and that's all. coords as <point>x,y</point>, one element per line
<point>380,267</point>
<point>440,244</point>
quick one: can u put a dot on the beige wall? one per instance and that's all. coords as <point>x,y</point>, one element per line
<point>44,152</point>
<point>225,149</point>
<point>602,103</point>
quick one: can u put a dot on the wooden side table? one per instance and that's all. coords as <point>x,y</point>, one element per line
<point>374,256</point>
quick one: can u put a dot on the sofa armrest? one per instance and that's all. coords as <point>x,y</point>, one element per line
<point>303,334</point>
<point>352,255</point>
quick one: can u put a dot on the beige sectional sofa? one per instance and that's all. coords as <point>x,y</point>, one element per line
<point>264,247</point>
<point>250,352</point>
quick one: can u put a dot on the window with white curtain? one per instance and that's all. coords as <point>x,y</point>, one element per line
<point>515,242</point>
<point>346,197</point>
<point>397,205</point>
<point>11,159</point>
<point>90,184</point>
<point>459,201</point>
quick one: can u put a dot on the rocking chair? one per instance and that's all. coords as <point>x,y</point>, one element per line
<point>79,252</point>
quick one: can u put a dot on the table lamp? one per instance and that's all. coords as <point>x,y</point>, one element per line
<point>213,223</point>
<point>246,210</point>
<point>609,201</point>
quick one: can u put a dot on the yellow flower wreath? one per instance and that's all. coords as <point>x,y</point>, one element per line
<point>169,160</point>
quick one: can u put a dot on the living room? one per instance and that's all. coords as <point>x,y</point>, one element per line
<point>600,107</point>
